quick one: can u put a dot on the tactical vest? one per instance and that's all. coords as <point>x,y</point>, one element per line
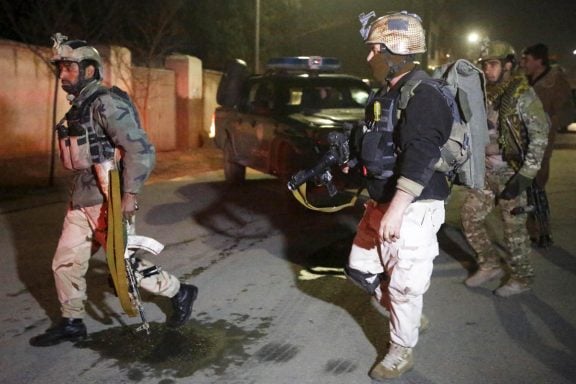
<point>82,144</point>
<point>377,149</point>
<point>461,85</point>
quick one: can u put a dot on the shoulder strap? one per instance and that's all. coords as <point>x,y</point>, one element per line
<point>406,92</point>
<point>90,99</point>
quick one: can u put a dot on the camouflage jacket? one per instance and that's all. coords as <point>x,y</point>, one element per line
<point>112,118</point>
<point>522,125</point>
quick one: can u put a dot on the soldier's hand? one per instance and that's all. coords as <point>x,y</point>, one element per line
<point>129,205</point>
<point>515,186</point>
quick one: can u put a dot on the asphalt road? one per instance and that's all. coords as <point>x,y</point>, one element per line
<point>273,305</point>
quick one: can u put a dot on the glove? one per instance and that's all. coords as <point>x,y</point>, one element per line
<point>515,186</point>
<point>129,205</point>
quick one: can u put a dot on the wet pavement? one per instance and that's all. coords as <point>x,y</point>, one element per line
<point>274,307</point>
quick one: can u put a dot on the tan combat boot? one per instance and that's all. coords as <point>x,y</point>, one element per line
<point>398,360</point>
<point>483,276</point>
<point>511,288</point>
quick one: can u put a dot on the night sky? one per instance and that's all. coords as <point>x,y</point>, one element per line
<point>526,22</point>
<point>520,22</point>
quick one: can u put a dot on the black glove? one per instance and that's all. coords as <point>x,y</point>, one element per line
<point>515,186</point>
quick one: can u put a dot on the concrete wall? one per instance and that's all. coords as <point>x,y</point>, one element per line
<point>189,114</point>
<point>154,98</point>
<point>176,104</point>
<point>26,101</point>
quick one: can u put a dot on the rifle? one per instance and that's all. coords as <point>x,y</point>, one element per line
<point>121,248</point>
<point>539,208</point>
<point>132,263</point>
<point>337,154</point>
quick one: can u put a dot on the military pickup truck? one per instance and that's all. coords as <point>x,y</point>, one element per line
<point>278,122</point>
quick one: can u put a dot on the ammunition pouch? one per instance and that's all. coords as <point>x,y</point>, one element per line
<point>378,154</point>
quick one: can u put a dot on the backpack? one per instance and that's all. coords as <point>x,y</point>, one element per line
<point>463,87</point>
<point>80,148</point>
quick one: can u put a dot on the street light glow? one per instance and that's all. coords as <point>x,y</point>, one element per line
<point>473,37</point>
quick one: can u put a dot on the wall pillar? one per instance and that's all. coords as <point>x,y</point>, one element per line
<point>189,108</point>
<point>117,66</point>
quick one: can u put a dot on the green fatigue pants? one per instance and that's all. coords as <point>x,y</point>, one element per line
<point>477,205</point>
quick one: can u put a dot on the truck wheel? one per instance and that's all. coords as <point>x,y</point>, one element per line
<point>234,173</point>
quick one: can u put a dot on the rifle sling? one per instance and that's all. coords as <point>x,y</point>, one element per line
<point>116,245</point>
<point>300,195</point>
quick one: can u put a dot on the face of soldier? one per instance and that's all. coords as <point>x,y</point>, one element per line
<point>378,64</point>
<point>69,74</point>
<point>494,71</point>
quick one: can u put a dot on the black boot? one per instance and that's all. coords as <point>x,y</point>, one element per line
<point>182,305</point>
<point>67,330</point>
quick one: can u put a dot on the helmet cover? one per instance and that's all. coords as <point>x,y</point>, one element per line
<point>401,32</point>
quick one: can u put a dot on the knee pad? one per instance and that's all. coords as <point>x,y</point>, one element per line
<point>366,281</point>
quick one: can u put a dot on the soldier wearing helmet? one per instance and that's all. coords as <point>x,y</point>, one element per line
<point>105,123</point>
<point>498,60</point>
<point>68,54</point>
<point>395,244</point>
<point>518,130</point>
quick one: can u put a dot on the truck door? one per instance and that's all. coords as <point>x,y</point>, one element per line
<point>257,125</point>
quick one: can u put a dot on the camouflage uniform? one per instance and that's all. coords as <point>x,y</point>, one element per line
<point>85,222</point>
<point>518,138</point>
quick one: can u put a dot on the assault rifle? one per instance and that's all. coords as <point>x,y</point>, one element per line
<point>337,154</point>
<point>539,208</point>
<point>121,247</point>
<point>134,274</point>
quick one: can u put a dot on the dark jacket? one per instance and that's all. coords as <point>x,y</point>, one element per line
<point>418,135</point>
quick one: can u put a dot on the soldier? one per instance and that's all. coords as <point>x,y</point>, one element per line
<point>518,129</point>
<point>395,244</point>
<point>554,91</point>
<point>111,124</point>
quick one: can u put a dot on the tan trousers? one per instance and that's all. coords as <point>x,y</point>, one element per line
<point>83,232</point>
<point>407,262</point>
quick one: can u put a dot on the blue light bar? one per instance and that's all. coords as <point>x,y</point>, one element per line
<point>304,63</point>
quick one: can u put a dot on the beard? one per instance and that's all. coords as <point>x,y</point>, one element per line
<point>69,88</point>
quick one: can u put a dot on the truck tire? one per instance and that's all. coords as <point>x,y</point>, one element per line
<point>230,87</point>
<point>234,173</point>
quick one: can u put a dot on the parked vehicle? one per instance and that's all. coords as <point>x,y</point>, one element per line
<point>278,122</point>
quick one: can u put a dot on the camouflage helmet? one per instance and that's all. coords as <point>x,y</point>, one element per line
<point>76,51</point>
<point>401,32</point>
<point>497,50</point>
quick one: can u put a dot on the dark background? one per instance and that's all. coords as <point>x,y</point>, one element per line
<point>217,30</point>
